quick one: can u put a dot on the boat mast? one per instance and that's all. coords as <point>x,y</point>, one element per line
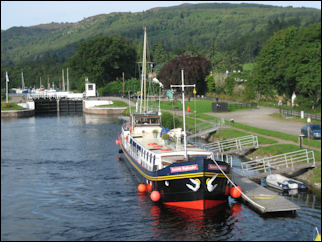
<point>143,79</point>
<point>22,82</point>
<point>183,112</point>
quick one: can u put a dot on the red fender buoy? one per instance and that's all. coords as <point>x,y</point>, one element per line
<point>155,196</point>
<point>235,192</point>
<point>117,142</point>
<point>141,188</point>
<point>148,187</point>
<point>188,109</point>
<point>227,190</point>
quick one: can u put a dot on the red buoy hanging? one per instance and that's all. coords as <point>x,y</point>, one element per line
<point>117,142</point>
<point>141,188</point>
<point>188,109</point>
<point>148,187</point>
<point>227,190</point>
<point>155,196</point>
<point>235,192</point>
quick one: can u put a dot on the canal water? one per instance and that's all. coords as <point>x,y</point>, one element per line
<point>61,180</point>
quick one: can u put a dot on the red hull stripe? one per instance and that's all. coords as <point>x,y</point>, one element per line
<point>198,204</point>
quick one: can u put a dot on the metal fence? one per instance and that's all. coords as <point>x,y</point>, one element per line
<point>277,162</point>
<point>287,112</point>
<point>232,145</point>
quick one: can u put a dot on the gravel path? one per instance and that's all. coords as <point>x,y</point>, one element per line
<point>260,118</point>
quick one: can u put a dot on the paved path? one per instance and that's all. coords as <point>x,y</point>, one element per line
<point>260,118</point>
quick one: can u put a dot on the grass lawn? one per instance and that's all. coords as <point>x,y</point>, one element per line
<point>116,103</point>
<point>233,133</point>
<point>10,106</point>
<point>202,106</point>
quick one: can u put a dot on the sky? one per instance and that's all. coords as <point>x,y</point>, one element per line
<point>29,13</point>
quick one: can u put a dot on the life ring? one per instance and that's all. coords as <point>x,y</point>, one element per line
<point>165,149</point>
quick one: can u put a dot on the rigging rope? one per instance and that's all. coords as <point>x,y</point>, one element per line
<point>245,196</point>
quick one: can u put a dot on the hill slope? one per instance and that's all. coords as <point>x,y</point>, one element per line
<point>197,25</point>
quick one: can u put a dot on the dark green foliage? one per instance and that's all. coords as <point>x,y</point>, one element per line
<point>211,87</point>
<point>291,62</point>
<point>103,59</point>
<point>196,68</point>
<point>47,68</point>
<point>116,87</point>
<point>194,27</point>
<point>170,121</point>
<point>226,34</point>
<point>229,85</point>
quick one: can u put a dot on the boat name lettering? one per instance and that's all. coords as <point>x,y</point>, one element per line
<point>184,168</point>
<point>215,167</point>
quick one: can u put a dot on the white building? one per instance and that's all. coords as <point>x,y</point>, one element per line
<point>90,89</point>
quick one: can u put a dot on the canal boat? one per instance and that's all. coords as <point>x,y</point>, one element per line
<point>284,183</point>
<point>175,173</point>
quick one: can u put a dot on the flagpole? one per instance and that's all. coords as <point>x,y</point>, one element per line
<point>7,80</point>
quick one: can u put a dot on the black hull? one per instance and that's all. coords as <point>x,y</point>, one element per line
<point>176,189</point>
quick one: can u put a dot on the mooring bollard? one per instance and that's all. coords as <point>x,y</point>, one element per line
<point>301,140</point>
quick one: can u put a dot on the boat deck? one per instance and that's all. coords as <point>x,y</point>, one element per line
<point>262,199</point>
<point>158,146</point>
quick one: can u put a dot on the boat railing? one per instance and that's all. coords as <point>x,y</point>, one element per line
<point>226,158</point>
<point>283,162</point>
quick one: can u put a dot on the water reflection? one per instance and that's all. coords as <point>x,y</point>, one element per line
<point>101,119</point>
<point>185,224</point>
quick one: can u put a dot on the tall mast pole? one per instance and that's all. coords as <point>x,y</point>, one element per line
<point>123,83</point>
<point>7,81</point>
<point>143,78</point>
<point>67,80</point>
<point>62,73</point>
<point>22,82</point>
<point>184,118</point>
<point>144,69</point>
<point>183,112</point>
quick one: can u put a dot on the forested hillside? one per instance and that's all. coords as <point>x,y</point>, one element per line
<point>283,45</point>
<point>198,28</point>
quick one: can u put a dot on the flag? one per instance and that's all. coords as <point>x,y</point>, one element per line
<point>7,78</point>
<point>169,93</point>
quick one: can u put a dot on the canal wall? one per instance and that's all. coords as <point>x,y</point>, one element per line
<point>52,105</point>
<point>17,113</point>
<point>90,107</point>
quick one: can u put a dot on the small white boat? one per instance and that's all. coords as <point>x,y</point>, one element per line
<point>283,183</point>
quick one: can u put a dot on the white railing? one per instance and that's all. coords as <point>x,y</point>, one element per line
<point>227,158</point>
<point>237,144</point>
<point>287,160</point>
<point>56,95</point>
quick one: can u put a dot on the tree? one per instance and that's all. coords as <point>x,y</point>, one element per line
<point>291,61</point>
<point>196,68</point>
<point>103,59</point>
